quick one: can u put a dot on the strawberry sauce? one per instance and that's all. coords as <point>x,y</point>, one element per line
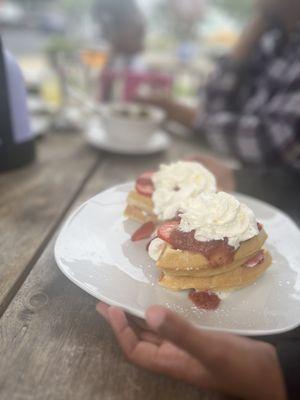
<point>255,260</point>
<point>144,232</point>
<point>205,300</point>
<point>218,252</point>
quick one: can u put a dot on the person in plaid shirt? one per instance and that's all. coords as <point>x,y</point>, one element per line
<point>252,108</point>
<point>251,104</point>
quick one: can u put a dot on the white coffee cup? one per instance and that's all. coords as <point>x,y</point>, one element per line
<point>131,124</point>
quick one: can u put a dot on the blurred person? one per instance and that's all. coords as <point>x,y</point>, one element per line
<point>251,104</point>
<point>123,27</point>
<point>244,368</point>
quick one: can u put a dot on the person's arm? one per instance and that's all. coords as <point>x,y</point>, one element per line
<point>175,111</point>
<point>169,345</point>
<point>223,84</point>
<point>250,38</point>
<point>181,113</point>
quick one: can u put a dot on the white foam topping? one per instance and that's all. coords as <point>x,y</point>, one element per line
<point>177,182</point>
<point>156,247</point>
<point>216,216</point>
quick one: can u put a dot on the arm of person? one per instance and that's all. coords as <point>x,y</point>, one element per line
<point>221,87</point>
<point>169,345</point>
<point>250,37</point>
<point>223,83</point>
<point>174,110</point>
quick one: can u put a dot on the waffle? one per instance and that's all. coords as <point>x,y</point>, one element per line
<point>139,208</point>
<point>227,281</point>
<point>182,270</point>
<point>179,260</point>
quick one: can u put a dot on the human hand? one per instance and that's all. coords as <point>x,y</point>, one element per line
<point>175,111</point>
<point>169,345</point>
<point>155,98</point>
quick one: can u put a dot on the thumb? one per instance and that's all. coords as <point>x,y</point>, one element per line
<point>241,367</point>
<point>208,347</point>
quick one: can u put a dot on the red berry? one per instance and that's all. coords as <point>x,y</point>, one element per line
<point>144,232</point>
<point>165,231</point>
<point>144,184</point>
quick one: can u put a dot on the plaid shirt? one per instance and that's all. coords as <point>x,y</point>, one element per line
<point>253,111</point>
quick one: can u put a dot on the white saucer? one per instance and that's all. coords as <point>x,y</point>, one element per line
<point>97,137</point>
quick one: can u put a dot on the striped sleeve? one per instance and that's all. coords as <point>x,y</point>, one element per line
<point>249,137</point>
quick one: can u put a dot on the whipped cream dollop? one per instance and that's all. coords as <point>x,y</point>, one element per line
<point>216,216</point>
<point>156,247</point>
<point>177,182</point>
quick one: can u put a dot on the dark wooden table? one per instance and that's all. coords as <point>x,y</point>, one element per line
<point>53,345</point>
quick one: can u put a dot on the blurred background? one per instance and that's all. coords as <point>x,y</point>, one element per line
<point>64,47</point>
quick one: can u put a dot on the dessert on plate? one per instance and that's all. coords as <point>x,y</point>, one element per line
<point>158,195</point>
<point>214,245</point>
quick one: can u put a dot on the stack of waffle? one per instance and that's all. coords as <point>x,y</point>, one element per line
<point>206,240</point>
<point>140,208</point>
<point>182,269</point>
<point>214,245</point>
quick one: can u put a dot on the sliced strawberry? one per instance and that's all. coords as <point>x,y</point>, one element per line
<point>219,254</point>
<point>144,184</point>
<point>259,226</point>
<point>205,300</point>
<point>145,178</point>
<point>145,190</point>
<point>165,230</point>
<point>256,260</point>
<point>144,232</point>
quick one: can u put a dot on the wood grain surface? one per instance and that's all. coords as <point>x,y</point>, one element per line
<point>33,201</point>
<point>54,345</point>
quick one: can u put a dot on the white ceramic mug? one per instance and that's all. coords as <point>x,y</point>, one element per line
<point>134,129</point>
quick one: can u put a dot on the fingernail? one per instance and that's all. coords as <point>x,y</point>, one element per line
<point>155,317</point>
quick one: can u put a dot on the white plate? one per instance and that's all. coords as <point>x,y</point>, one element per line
<point>95,252</point>
<point>97,137</point>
